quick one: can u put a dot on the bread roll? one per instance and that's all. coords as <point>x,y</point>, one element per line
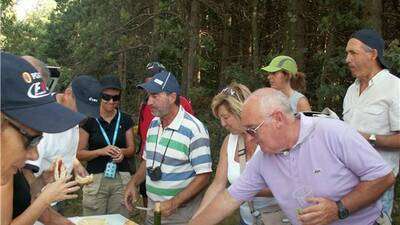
<point>84,180</point>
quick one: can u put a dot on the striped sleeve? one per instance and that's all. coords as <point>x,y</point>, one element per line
<point>199,152</point>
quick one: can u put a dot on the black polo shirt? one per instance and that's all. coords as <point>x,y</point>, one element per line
<point>96,141</point>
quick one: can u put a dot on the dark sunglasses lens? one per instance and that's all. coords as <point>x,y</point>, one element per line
<point>251,132</point>
<point>116,98</point>
<point>34,141</point>
<point>106,97</point>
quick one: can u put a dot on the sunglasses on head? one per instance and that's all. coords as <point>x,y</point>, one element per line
<point>107,97</point>
<point>231,92</point>
<point>31,141</point>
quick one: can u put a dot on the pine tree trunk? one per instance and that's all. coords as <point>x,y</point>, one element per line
<point>154,54</point>
<point>255,47</point>
<point>122,74</point>
<point>193,44</point>
<point>295,39</point>
<point>372,14</point>
<point>185,15</point>
<point>226,36</point>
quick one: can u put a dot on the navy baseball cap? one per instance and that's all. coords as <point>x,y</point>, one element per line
<point>87,91</point>
<point>110,81</point>
<point>161,82</point>
<point>155,67</point>
<point>26,99</point>
<point>372,39</point>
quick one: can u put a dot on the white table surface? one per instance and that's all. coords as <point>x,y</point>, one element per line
<point>112,219</point>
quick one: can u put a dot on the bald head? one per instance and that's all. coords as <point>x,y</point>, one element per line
<point>267,100</point>
<point>268,119</point>
<point>39,66</point>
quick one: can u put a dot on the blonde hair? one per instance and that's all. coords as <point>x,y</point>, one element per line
<point>232,97</point>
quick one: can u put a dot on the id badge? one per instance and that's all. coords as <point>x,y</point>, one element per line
<point>111,169</point>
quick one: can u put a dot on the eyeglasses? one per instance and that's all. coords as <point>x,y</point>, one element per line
<point>107,97</point>
<point>31,141</point>
<point>253,131</point>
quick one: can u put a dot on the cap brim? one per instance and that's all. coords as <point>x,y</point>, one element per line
<point>110,87</point>
<point>49,118</point>
<point>90,110</point>
<point>271,69</point>
<point>149,87</point>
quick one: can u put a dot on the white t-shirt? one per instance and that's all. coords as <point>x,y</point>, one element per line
<point>376,110</point>
<point>64,144</point>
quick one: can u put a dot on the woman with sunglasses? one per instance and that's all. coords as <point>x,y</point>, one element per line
<point>106,143</point>
<point>27,110</point>
<point>284,76</point>
<point>226,106</point>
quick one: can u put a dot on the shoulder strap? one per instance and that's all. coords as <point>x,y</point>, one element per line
<point>242,162</point>
<point>241,153</point>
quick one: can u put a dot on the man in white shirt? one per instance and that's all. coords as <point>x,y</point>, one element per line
<point>81,95</point>
<point>372,102</point>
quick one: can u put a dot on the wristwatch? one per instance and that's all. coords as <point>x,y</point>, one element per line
<point>372,139</point>
<point>342,211</point>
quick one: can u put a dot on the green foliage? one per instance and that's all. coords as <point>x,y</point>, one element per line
<point>121,37</point>
<point>25,37</point>
<point>392,56</point>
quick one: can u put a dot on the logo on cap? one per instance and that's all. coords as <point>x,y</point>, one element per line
<point>38,90</point>
<point>93,99</point>
<point>27,77</point>
<point>159,82</point>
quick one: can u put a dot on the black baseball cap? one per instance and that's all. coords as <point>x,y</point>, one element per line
<point>161,82</point>
<point>110,81</point>
<point>372,39</point>
<point>26,99</point>
<point>87,90</point>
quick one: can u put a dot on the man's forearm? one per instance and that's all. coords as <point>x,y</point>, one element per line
<point>265,193</point>
<point>213,190</point>
<point>367,192</point>
<point>198,184</point>
<point>389,141</point>
<point>222,206</point>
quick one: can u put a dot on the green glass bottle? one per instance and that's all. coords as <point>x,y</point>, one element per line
<point>157,213</point>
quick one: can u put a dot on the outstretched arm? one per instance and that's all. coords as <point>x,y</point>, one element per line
<point>220,207</point>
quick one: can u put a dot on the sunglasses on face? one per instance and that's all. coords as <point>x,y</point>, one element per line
<point>253,131</point>
<point>107,97</point>
<point>31,141</point>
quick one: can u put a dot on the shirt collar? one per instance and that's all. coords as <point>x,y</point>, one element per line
<point>307,126</point>
<point>176,123</point>
<point>374,79</point>
<point>113,120</point>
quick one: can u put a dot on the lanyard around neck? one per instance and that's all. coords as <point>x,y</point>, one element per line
<point>166,148</point>
<point>115,130</point>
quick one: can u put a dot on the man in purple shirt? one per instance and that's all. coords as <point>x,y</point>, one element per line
<point>344,174</point>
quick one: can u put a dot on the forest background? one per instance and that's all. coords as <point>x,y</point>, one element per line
<point>206,43</point>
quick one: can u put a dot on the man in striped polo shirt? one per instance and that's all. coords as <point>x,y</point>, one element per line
<point>177,160</point>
